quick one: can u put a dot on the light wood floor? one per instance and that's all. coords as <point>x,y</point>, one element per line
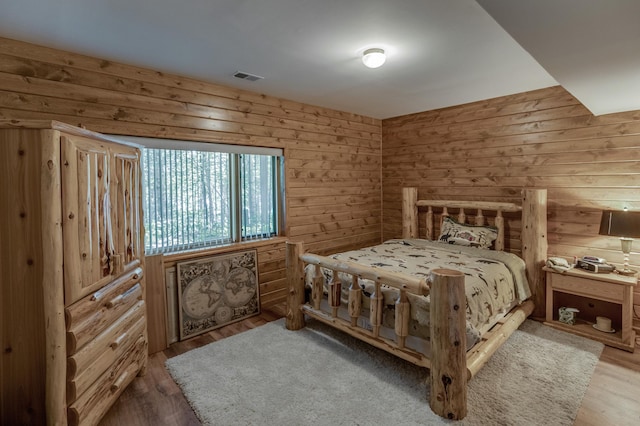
<point>613,396</point>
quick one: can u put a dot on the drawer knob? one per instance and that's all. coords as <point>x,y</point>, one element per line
<point>122,297</point>
<point>115,301</point>
<point>118,383</point>
<point>118,341</point>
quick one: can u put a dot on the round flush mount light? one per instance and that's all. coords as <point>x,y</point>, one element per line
<point>373,58</point>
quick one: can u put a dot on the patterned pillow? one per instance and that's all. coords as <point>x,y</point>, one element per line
<point>467,235</point>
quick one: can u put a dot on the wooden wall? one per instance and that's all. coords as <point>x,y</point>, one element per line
<point>539,139</point>
<point>332,158</point>
<point>488,149</point>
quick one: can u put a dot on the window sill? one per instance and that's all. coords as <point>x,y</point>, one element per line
<point>227,248</point>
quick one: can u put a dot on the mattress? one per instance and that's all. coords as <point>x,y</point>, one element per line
<point>495,281</point>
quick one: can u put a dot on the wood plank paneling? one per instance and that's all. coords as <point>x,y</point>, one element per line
<point>538,139</point>
<point>23,267</point>
<point>334,168</point>
<point>332,158</point>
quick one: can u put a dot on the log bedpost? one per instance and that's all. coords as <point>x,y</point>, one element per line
<point>534,244</point>
<point>448,375</point>
<point>295,284</point>
<point>409,213</point>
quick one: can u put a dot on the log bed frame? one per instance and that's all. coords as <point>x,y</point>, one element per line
<point>450,364</point>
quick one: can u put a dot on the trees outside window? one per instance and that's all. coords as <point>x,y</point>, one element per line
<point>203,198</point>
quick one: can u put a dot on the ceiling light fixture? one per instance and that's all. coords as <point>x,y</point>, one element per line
<point>373,58</point>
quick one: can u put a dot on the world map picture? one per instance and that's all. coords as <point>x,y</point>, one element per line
<point>216,291</point>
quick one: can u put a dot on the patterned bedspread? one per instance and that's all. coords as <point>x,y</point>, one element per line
<point>494,281</point>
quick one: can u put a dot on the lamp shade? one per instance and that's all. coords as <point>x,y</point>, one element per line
<point>620,223</point>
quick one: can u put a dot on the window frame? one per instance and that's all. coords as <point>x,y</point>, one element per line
<point>235,153</point>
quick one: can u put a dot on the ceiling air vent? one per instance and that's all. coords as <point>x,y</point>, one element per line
<point>247,76</point>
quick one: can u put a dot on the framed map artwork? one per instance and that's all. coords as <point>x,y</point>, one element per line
<point>216,291</point>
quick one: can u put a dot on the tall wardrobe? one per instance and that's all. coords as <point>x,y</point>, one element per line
<point>72,308</point>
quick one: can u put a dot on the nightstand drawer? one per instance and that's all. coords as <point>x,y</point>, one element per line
<point>588,287</point>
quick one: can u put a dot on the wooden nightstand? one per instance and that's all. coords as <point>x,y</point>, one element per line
<point>609,295</point>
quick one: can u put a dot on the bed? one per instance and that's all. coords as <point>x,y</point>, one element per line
<point>415,298</point>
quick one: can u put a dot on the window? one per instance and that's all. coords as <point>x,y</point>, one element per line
<point>259,196</point>
<point>199,195</point>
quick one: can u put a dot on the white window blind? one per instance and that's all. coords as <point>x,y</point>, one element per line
<point>199,195</point>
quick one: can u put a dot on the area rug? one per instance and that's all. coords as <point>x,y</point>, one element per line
<point>320,376</point>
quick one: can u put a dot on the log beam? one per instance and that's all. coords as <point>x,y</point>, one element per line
<point>499,244</point>
<point>403,314</point>
<point>375,309</point>
<point>413,284</point>
<point>355,301</point>
<point>499,334</point>
<point>317,290</point>
<point>295,284</point>
<point>53,282</point>
<point>430,224</point>
<point>335,294</point>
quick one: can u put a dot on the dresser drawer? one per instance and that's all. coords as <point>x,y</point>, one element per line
<point>82,378</point>
<point>99,353</point>
<point>89,408</point>
<point>587,287</point>
<point>89,316</point>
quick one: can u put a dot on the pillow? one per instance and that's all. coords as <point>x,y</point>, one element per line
<point>462,234</point>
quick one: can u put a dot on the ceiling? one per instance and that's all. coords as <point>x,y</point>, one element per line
<point>439,52</point>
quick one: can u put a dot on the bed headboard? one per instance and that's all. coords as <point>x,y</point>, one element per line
<point>533,234</point>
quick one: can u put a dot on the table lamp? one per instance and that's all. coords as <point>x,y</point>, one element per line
<point>623,224</point>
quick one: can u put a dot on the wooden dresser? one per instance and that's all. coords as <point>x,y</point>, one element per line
<point>72,307</point>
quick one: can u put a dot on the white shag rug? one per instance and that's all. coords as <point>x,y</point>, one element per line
<point>319,376</point>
